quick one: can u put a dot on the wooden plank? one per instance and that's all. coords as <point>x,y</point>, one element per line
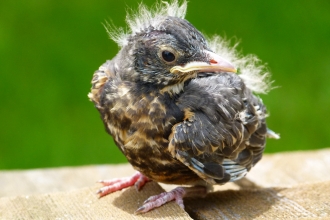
<point>85,204</point>
<point>291,168</point>
<point>283,185</point>
<point>302,201</point>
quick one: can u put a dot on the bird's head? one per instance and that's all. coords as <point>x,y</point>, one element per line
<point>173,52</point>
<point>164,50</point>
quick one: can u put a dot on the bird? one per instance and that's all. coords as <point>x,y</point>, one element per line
<point>183,108</point>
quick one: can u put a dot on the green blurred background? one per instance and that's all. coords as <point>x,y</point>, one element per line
<point>49,50</point>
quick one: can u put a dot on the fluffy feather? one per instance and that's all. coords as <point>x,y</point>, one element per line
<point>145,18</point>
<point>254,74</point>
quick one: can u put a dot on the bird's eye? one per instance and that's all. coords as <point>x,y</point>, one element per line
<point>168,56</point>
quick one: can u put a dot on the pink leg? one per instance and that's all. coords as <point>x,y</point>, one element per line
<point>176,194</point>
<point>120,183</point>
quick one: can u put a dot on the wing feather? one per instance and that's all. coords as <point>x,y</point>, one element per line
<point>223,134</point>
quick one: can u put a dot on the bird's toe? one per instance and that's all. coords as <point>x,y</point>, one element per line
<point>117,184</point>
<point>176,194</point>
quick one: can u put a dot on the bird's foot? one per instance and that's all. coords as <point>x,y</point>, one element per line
<point>176,194</point>
<point>114,185</point>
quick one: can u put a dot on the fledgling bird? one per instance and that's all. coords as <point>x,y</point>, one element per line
<point>180,107</point>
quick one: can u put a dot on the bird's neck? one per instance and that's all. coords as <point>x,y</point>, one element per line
<point>173,89</point>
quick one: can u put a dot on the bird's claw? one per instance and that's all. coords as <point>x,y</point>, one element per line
<point>152,202</point>
<point>117,184</point>
<point>140,182</point>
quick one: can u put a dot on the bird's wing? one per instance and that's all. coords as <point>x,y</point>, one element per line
<point>100,77</point>
<point>223,132</point>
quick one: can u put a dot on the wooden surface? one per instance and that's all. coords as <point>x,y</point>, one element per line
<point>283,185</point>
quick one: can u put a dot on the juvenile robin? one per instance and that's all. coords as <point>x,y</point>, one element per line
<point>180,107</point>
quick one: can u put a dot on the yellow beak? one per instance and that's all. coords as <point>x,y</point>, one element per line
<point>216,64</point>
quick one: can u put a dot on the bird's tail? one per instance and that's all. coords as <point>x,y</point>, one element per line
<point>272,134</point>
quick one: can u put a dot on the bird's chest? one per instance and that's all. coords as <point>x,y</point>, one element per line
<point>140,126</point>
<point>138,120</point>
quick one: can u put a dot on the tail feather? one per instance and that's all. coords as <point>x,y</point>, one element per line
<point>272,134</point>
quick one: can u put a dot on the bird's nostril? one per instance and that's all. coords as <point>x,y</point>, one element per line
<point>213,61</point>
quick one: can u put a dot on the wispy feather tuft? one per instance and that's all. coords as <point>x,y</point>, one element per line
<point>145,18</point>
<point>250,69</point>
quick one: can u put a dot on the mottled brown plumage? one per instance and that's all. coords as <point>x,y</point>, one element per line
<point>178,111</point>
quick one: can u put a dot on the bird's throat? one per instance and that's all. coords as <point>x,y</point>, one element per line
<point>173,89</point>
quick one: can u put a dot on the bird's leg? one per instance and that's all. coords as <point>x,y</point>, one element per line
<point>114,185</point>
<point>176,194</point>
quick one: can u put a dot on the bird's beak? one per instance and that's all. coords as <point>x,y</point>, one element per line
<point>216,64</point>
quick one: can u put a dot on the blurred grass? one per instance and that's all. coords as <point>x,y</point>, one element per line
<point>50,49</point>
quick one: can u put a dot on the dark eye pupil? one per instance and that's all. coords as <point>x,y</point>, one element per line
<point>168,56</point>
